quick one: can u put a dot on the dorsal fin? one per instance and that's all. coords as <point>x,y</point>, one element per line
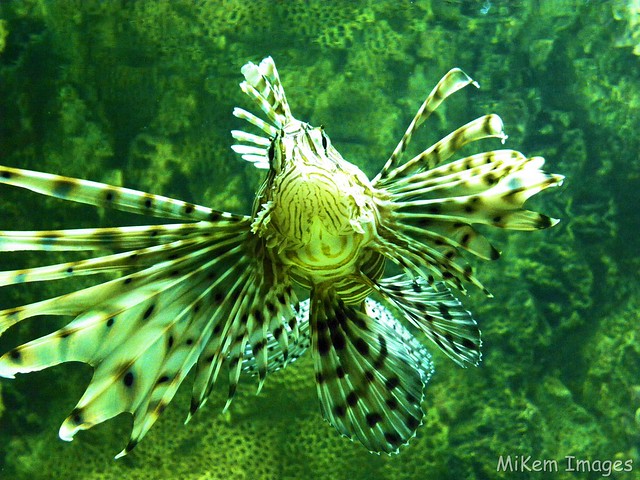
<point>262,84</point>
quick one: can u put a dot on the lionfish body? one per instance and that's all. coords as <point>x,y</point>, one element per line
<point>219,290</point>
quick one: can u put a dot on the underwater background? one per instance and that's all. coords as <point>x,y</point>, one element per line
<point>140,94</point>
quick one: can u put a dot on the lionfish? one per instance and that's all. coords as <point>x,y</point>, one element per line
<point>218,288</point>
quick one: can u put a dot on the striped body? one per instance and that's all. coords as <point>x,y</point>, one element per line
<point>316,209</point>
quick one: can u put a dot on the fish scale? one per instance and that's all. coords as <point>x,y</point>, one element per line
<point>216,292</point>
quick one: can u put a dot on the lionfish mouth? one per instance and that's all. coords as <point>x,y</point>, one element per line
<point>216,289</point>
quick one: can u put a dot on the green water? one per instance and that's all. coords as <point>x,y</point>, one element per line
<point>140,94</point>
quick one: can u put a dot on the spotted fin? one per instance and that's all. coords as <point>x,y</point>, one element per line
<point>429,216</point>
<point>370,386</point>
<point>277,358</point>
<point>415,350</point>
<point>142,332</point>
<point>120,238</point>
<point>437,313</point>
<point>488,126</point>
<point>186,290</point>
<point>259,307</point>
<point>428,208</point>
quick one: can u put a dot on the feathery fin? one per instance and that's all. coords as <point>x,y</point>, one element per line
<point>428,217</point>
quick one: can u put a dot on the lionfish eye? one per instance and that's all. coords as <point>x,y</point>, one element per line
<point>272,150</point>
<point>325,140</point>
<point>273,156</point>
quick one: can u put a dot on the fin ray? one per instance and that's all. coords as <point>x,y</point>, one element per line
<point>488,126</point>
<point>103,195</point>
<point>453,81</point>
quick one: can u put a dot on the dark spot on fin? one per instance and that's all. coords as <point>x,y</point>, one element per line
<point>193,408</point>
<point>393,438</point>
<point>466,343</point>
<point>128,379</point>
<point>62,187</point>
<point>392,383</point>
<point>545,221</point>
<point>362,396</point>
<point>373,418</point>
<point>15,355</point>
<point>444,311</point>
<point>76,417</point>
<point>148,312</point>
<point>412,422</point>
<point>64,333</point>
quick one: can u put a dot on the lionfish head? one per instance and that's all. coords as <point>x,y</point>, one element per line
<point>299,145</point>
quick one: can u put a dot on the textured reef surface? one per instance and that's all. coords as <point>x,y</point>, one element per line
<point>141,94</point>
